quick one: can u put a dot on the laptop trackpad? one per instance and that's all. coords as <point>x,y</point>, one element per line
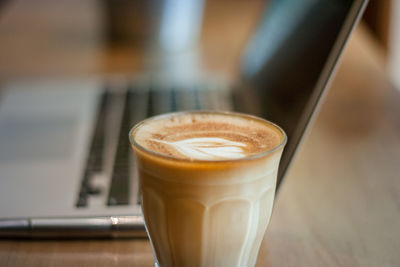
<point>45,131</point>
<point>35,139</point>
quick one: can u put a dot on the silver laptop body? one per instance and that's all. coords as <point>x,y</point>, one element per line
<point>66,167</point>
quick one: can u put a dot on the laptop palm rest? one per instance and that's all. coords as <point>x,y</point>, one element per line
<point>44,133</point>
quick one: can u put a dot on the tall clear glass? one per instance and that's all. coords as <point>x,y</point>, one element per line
<point>207,213</point>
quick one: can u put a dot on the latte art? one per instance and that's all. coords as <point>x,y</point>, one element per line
<point>208,137</point>
<point>208,148</point>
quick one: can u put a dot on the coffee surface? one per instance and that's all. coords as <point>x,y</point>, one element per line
<point>207,136</point>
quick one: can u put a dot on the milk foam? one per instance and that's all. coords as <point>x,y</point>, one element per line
<point>207,136</point>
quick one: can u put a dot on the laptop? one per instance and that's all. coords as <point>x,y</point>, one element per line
<point>66,166</point>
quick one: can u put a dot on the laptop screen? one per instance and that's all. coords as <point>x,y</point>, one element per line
<point>284,62</point>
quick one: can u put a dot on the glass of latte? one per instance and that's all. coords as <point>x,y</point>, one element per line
<point>208,184</point>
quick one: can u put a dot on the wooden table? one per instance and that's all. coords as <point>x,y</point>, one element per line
<point>340,204</point>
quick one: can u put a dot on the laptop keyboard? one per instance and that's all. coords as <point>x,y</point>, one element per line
<point>119,190</point>
<point>95,158</point>
<point>139,103</point>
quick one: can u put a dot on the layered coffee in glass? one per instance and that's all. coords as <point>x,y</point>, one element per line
<point>208,183</point>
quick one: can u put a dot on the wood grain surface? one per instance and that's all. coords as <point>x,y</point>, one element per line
<point>340,204</point>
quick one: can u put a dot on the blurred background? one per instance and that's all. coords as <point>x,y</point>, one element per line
<point>353,222</point>
<point>121,36</point>
<point>60,37</point>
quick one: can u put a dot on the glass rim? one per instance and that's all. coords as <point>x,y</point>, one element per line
<point>194,160</point>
